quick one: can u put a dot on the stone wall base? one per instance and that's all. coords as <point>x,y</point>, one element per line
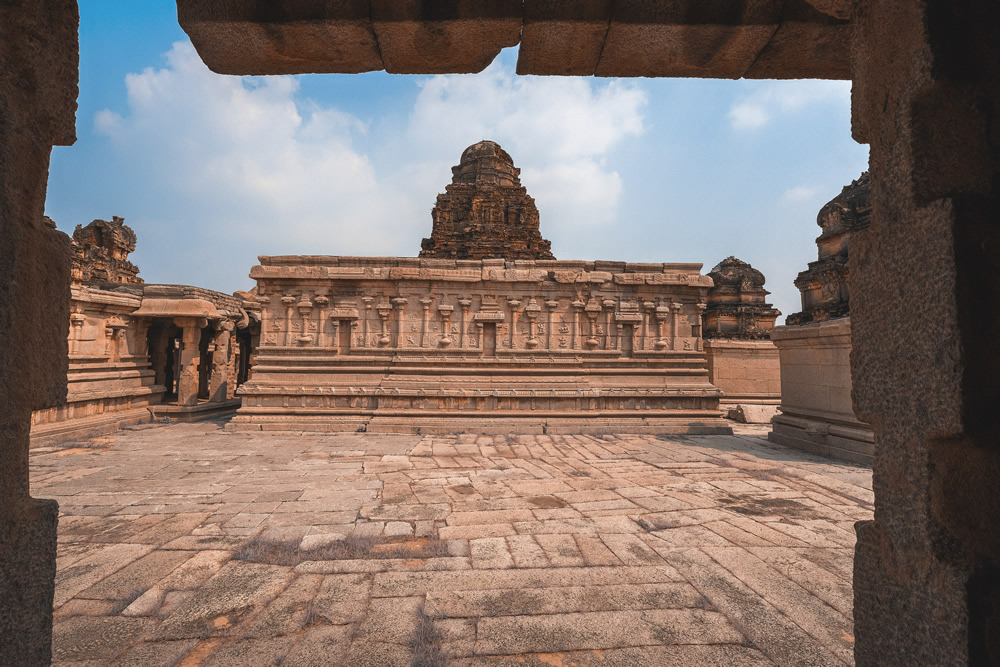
<point>708,423</point>
<point>193,413</point>
<point>848,442</point>
<point>85,427</point>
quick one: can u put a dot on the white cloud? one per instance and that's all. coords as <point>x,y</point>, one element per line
<point>774,99</point>
<point>247,153</point>
<point>748,116</point>
<point>800,193</point>
<point>558,130</point>
<point>249,163</point>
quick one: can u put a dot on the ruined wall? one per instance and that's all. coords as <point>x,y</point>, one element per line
<point>925,281</point>
<point>38,89</point>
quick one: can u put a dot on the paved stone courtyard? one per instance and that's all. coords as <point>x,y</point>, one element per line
<point>184,545</point>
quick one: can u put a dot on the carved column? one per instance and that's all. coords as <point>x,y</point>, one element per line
<point>265,319</point>
<point>322,302</point>
<point>647,309</point>
<point>305,309</point>
<point>662,312</point>
<point>399,302</point>
<point>575,333</point>
<point>384,309</point>
<point>696,331</point>
<point>531,312</point>
<point>592,310</point>
<point>77,319</point>
<point>675,309</point>
<point>465,304</point>
<point>425,303</point>
<point>219,380</point>
<point>367,300</point>
<point>514,305</point>
<point>187,359</point>
<point>446,311</point>
<point>552,304</point>
<point>289,303</point>
<point>610,341</point>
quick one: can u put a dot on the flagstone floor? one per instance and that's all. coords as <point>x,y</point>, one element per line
<point>188,545</point>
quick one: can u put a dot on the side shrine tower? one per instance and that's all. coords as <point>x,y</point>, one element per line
<point>485,213</point>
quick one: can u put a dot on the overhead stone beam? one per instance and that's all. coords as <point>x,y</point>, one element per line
<point>703,38</point>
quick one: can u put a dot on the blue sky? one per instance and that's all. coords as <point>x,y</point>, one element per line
<point>212,171</point>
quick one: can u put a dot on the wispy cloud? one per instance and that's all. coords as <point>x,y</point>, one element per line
<point>800,193</point>
<point>771,100</point>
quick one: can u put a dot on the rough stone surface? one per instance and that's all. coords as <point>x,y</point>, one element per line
<point>759,39</point>
<point>100,253</point>
<point>924,283</point>
<point>621,549</point>
<point>485,212</point>
<point>823,285</point>
<point>38,89</point>
<point>736,308</point>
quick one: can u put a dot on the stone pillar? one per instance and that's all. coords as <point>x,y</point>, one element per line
<point>925,284</point>
<point>466,304</point>
<point>219,380</point>
<point>38,88</point>
<point>187,359</point>
<point>321,302</point>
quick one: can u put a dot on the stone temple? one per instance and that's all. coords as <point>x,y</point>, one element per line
<point>485,325</point>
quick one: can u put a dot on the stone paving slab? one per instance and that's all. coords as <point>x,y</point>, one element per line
<point>183,544</point>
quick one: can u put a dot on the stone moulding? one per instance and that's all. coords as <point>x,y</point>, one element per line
<point>444,344</point>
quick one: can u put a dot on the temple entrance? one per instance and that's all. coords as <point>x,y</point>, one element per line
<point>490,339</point>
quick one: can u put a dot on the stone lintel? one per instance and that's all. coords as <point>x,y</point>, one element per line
<point>757,39</point>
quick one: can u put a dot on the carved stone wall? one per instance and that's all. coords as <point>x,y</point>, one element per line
<point>485,212</point>
<point>823,285</point>
<point>388,343</point>
<point>101,250</point>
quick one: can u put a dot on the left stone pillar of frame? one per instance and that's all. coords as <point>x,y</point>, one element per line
<point>38,89</point>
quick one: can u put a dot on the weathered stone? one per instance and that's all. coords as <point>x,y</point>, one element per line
<point>823,285</point>
<point>485,212</point>
<point>100,253</point>
<point>735,305</point>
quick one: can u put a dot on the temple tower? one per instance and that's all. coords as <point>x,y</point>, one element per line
<point>485,213</point>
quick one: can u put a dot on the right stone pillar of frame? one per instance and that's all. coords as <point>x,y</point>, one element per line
<point>925,286</point>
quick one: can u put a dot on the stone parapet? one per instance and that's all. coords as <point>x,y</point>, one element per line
<point>816,410</point>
